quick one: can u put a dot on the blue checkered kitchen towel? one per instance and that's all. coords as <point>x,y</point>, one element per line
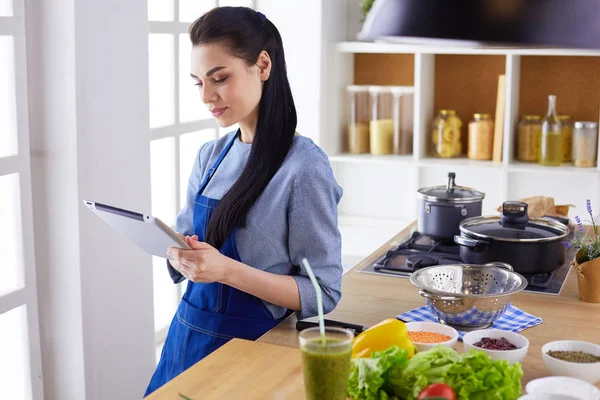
<point>514,319</point>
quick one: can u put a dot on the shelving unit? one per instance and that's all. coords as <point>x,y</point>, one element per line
<point>510,179</point>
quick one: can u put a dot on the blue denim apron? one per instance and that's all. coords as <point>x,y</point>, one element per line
<point>209,314</point>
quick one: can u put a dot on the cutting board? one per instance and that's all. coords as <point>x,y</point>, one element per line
<point>240,369</point>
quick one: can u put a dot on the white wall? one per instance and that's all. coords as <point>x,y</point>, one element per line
<point>88,94</point>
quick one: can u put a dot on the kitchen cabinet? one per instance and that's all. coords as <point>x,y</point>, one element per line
<point>379,189</point>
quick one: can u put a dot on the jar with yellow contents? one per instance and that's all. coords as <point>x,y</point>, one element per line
<point>529,137</point>
<point>566,134</point>
<point>382,123</point>
<point>446,134</point>
<point>481,137</point>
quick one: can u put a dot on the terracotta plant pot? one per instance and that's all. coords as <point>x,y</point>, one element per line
<point>588,279</point>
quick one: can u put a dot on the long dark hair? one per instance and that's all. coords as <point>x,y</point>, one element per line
<point>246,33</point>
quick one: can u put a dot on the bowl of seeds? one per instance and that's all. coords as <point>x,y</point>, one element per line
<point>573,358</point>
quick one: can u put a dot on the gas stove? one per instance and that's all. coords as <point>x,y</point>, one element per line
<point>420,251</point>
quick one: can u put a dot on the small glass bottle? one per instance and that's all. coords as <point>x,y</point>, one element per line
<point>446,134</point>
<point>551,152</point>
<point>567,137</point>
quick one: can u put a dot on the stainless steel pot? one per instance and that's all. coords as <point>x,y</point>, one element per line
<point>531,246</point>
<point>441,209</point>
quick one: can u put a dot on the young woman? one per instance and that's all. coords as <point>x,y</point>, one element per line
<point>259,200</point>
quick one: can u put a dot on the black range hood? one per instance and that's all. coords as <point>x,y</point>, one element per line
<point>513,23</point>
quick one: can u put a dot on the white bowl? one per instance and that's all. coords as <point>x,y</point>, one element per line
<point>561,388</point>
<point>512,356</point>
<point>589,372</point>
<point>435,328</point>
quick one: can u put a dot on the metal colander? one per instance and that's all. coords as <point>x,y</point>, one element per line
<point>468,296</point>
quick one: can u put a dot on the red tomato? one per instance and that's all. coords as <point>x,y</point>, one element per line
<point>437,390</point>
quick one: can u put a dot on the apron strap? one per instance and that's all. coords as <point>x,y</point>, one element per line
<point>211,171</point>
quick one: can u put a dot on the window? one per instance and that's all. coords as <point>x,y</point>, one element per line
<point>20,359</point>
<point>180,124</point>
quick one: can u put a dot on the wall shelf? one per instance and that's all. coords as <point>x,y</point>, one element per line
<point>461,78</point>
<point>398,48</point>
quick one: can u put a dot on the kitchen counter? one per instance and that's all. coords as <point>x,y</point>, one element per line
<point>368,299</point>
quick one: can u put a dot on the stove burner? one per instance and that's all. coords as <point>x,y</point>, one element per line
<point>542,280</point>
<point>420,251</point>
<point>415,262</point>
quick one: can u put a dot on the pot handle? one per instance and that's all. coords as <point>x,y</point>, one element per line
<point>499,264</point>
<point>473,244</point>
<point>431,296</point>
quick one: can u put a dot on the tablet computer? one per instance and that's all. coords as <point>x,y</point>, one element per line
<point>149,233</point>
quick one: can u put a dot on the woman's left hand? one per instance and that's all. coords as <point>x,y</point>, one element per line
<point>203,263</point>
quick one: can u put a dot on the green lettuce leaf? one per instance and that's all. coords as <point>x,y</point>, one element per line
<point>478,377</point>
<point>423,369</point>
<point>368,378</point>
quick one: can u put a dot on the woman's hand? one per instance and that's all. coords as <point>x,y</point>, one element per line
<point>203,263</point>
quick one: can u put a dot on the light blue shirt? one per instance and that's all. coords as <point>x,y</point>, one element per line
<point>294,218</point>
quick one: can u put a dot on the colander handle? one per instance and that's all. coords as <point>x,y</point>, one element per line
<point>499,264</point>
<point>431,296</point>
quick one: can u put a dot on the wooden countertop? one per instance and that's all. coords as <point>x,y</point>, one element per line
<point>366,300</point>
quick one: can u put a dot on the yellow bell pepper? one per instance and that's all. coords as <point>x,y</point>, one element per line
<point>387,333</point>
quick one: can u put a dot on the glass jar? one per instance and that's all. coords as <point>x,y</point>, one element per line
<point>585,143</point>
<point>446,134</point>
<point>403,98</point>
<point>551,153</point>
<point>567,137</point>
<point>382,123</point>
<point>358,127</point>
<point>528,140</point>
<point>481,137</point>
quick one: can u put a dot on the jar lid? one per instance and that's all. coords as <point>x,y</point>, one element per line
<point>586,125</point>
<point>532,117</point>
<point>379,89</point>
<point>482,115</point>
<point>564,117</point>
<point>450,193</point>
<point>357,88</point>
<point>514,226</point>
<point>398,90</point>
<point>448,112</point>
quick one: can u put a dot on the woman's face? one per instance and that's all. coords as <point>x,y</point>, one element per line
<point>230,88</point>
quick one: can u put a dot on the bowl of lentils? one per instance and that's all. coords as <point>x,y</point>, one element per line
<point>498,344</point>
<point>573,358</point>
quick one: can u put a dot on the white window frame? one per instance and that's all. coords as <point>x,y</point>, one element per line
<point>21,164</point>
<point>178,128</point>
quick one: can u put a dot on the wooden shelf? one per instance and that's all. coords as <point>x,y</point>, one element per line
<point>396,48</point>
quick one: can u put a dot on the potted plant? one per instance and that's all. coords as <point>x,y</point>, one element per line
<point>587,258</point>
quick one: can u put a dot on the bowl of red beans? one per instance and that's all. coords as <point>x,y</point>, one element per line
<point>498,344</point>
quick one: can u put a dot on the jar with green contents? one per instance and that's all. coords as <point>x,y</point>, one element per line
<point>529,137</point>
<point>551,152</point>
<point>382,123</point>
<point>446,134</point>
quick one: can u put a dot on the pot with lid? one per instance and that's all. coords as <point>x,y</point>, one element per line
<point>531,246</point>
<point>441,209</point>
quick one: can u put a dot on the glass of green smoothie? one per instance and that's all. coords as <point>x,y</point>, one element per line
<point>326,362</point>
